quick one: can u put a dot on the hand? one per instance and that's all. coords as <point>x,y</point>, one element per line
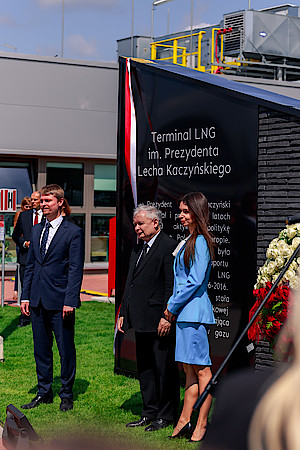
<point>163,327</point>
<point>25,308</point>
<point>67,310</point>
<point>120,324</point>
<point>27,243</point>
<point>169,316</point>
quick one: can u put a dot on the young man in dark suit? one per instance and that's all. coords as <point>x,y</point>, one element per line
<point>148,288</point>
<point>51,293</point>
<point>21,237</point>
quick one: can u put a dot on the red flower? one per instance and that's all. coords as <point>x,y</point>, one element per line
<point>274,313</point>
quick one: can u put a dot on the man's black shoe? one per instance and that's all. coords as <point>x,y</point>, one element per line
<point>66,404</point>
<point>37,401</point>
<point>158,424</point>
<point>23,324</point>
<point>23,320</point>
<point>142,422</point>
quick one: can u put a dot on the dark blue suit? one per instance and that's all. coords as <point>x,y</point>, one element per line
<point>49,284</point>
<point>22,233</point>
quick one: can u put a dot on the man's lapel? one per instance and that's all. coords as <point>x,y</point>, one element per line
<point>36,242</point>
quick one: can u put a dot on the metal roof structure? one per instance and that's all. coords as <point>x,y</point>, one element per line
<point>257,95</point>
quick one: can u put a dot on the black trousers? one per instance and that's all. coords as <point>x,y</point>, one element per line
<point>158,375</point>
<point>44,323</point>
<point>23,319</point>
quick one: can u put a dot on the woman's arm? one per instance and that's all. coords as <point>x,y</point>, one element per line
<point>195,277</point>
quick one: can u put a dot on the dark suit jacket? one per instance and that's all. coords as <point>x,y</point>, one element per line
<point>56,280</point>
<point>149,288</point>
<point>22,232</point>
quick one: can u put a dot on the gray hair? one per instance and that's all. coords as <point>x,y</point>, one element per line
<point>150,211</point>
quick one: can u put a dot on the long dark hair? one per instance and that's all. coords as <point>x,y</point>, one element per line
<point>198,205</point>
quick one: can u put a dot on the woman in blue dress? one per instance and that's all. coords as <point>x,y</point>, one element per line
<point>192,309</point>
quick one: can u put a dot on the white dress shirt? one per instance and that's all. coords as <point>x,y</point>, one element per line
<point>54,224</point>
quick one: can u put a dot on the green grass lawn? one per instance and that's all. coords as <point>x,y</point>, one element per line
<point>103,402</point>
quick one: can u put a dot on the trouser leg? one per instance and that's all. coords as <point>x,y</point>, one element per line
<point>146,373</point>
<point>158,375</point>
<point>23,319</point>
<point>64,335</point>
<point>168,377</point>
<point>42,340</point>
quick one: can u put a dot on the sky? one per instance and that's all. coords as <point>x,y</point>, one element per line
<point>92,27</point>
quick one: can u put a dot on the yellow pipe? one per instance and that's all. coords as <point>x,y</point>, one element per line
<point>153,50</point>
<point>212,56</point>
<point>178,37</point>
<point>175,51</point>
<point>184,57</point>
<point>200,36</point>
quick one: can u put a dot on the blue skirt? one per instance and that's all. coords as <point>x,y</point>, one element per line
<point>192,346</point>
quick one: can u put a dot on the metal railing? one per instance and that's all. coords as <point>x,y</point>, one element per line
<point>179,52</point>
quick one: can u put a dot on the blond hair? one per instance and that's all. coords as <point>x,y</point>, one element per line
<point>53,189</point>
<point>275,422</point>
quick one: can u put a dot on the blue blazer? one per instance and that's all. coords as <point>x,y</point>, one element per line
<point>190,301</point>
<point>56,279</point>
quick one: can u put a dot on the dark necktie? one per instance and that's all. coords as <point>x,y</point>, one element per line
<point>44,240</point>
<point>143,254</point>
<point>36,218</point>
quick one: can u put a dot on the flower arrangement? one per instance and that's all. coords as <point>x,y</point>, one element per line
<point>271,318</point>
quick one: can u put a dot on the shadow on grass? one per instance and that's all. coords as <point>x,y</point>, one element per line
<point>10,328</point>
<point>134,404</point>
<point>80,387</point>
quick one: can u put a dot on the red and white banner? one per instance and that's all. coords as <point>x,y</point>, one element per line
<point>130,133</point>
<point>8,200</point>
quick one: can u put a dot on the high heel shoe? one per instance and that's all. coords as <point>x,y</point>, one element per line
<point>185,431</point>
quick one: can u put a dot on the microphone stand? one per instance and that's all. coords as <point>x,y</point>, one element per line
<point>214,380</point>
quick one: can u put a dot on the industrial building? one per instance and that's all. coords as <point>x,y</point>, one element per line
<point>259,48</point>
<point>59,116</point>
<point>58,125</point>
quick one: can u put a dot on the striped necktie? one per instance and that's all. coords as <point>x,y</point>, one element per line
<point>45,240</point>
<point>143,254</point>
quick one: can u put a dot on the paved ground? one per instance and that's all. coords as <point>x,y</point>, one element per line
<point>93,286</point>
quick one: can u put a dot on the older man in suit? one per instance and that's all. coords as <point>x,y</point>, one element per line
<point>148,288</point>
<point>21,237</point>
<point>51,293</point>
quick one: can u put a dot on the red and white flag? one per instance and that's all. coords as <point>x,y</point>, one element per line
<point>130,133</point>
<point>8,200</point>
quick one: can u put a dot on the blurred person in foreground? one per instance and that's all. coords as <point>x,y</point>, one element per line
<point>148,287</point>
<point>261,410</point>
<point>21,236</point>
<point>25,205</point>
<point>190,306</point>
<point>51,293</point>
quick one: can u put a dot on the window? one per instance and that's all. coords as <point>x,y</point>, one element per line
<point>10,247</point>
<point>78,219</point>
<point>99,238</point>
<point>70,177</point>
<point>16,175</point>
<point>105,185</point>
